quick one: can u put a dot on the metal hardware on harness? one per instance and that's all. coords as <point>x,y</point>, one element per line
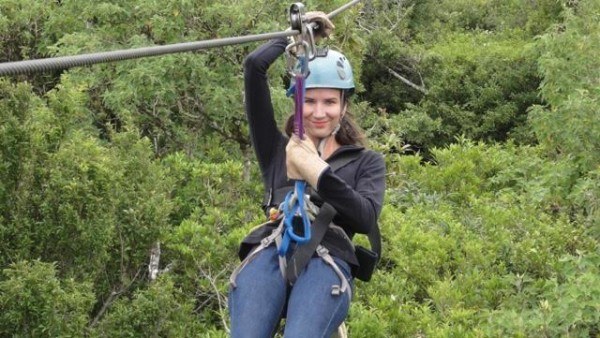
<point>336,289</point>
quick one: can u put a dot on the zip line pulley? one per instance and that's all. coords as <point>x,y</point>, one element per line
<point>65,62</point>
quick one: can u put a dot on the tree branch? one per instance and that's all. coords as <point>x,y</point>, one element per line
<point>153,269</point>
<point>407,81</point>
<point>221,299</point>
<point>111,298</point>
<point>114,294</point>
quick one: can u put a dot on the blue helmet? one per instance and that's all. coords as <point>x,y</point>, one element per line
<point>329,69</point>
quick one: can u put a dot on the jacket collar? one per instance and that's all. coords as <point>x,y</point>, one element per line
<point>345,149</point>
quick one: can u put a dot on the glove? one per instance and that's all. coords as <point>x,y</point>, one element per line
<point>325,26</point>
<point>303,162</point>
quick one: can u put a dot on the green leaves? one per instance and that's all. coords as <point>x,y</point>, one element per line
<point>565,306</point>
<point>472,243</point>
<point>568,126</point>
<point>474,84</point>
<point>36,302</point>
<point>486,112</point>
<point>160,310</point>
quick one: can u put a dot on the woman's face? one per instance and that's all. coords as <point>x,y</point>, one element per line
<point>323,110</point>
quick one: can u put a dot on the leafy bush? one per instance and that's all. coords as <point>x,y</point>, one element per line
<point>479,85</point>
<point>566,305</point>
<point>568,125</point>
<point>102,166</point>
<point>585,197</point>
<point>36,302</point>
<point>160,310</point>
<point>474,239</point>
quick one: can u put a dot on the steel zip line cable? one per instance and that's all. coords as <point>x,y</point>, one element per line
<point>64,62</point>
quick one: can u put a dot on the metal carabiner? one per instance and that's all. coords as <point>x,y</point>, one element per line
<point>293,64</point>
<point>312,50</point>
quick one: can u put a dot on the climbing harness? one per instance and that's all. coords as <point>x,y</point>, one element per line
<point>65,62</point>
<point>276,237</point>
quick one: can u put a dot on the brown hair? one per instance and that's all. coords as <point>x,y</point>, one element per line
<point>349,133</point>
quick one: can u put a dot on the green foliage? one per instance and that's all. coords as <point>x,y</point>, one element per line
<point>476,84</point>
<point>22,33</point>
<point>79,180</point>
<point>70,198</point>
<point>159,311</point>
<point>567,126</point>
<point>485,111</point>
<point>585,197</point>
<point>485,227</point>
<point>203,190</point>
<point>567,305</point>
<point>35,302</point>
<point>432,19</point>
<point>25,33</point>
<point>443,69</point>
<point>30,131</point>
<point>214,207</point>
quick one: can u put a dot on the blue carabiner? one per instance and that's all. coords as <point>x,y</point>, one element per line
<point>300,187</point>
<point>291,210</point>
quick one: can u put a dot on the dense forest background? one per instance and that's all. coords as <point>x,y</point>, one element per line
<point>487,112</point>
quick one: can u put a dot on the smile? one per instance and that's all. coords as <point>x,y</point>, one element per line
<point>319,124</point>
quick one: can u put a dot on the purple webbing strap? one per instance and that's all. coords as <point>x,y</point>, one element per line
<point>299,102</point>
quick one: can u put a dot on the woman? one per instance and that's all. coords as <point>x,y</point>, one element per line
<point>261,295</point>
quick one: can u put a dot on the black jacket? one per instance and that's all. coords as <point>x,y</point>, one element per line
<point>356,190</point>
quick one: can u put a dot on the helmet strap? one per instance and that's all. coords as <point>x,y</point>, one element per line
<point>321,146</point>
<point>337,128</point>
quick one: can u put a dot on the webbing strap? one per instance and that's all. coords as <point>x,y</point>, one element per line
<point>336,289</point>
<point>375,240</point>
<point>302,254</point>
<point>323,253</point>
<point>266,242</point>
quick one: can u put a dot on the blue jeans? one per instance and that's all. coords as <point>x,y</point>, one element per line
<point>257,304</point>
